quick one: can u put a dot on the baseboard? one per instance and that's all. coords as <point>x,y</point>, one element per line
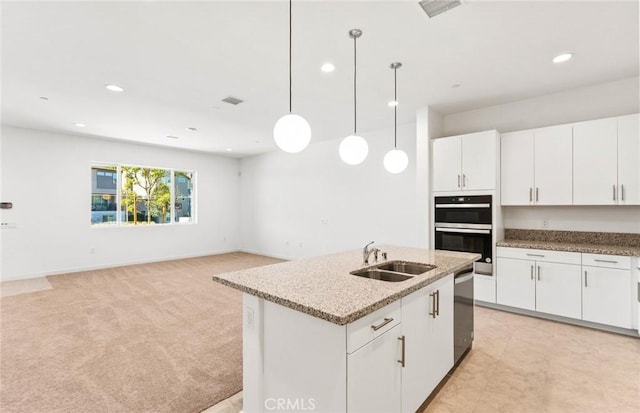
<point>265,254</point>
<point>560,319</point>
<point>120,264</point>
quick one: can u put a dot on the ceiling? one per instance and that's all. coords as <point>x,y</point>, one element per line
<point>177,60</point>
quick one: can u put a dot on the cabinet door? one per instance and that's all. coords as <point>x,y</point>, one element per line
<point>553,161</point>
<point>516,168</point>
<point>374,375</point>
<point>606,296</point>
<point>429,341</point>
<point>595,162</point>
<point>558,289</point>
<point>629,160</point>
<point>447,164</point>
<point>516,285</point>
<point>479,161</point>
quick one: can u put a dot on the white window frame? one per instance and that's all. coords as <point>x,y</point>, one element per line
<point>119,224</point>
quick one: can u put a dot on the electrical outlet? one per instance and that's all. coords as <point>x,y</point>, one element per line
<point>93,250</point>
<point>545,223</point>
<point>7,225</point>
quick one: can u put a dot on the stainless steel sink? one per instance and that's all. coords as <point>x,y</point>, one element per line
<point>405,267</point>
<point>377,274</point>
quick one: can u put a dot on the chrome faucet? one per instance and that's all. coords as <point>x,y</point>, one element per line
<point>366,253</point>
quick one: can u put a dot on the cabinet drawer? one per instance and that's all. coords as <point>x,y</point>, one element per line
<point>362,331</point>
<point>606,261</point>
<point>561,257</point>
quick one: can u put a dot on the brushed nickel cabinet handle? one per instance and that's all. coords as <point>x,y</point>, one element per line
<point>614,192</point>
<point>382,324</point>
<point>607,261</point>
<point>432,313</point>
<point>458,181</point>
<point>622,192</point>
<point>530,194</point>
<point>532,273</point>
<point>535,255</point>
<point>538,273</point>
<point>537,194</point>
<point>437,302</point>
<point>464,180</point>
<point>586,283</point>
<point>402,360</point>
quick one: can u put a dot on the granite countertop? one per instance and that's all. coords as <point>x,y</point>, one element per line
<point>572,247</point>
<point>323,286</point>
<point>608,243</point>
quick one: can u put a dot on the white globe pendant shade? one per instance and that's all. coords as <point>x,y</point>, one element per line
<point>396,161</point>
<point>292,133</point>
<point>353,149</point>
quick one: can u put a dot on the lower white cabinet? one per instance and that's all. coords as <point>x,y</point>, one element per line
<point>427,325</point>
<point>374,375</point>
<point>606,297</point>
<point>547,287</point>
<point>590,287</point>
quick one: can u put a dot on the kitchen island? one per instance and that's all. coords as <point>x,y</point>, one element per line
<point>316,337</point>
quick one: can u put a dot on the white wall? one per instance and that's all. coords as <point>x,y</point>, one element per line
<point>591,102</point>
<point>311,203</point>
<point>48,178</point>
<point>586,103</point>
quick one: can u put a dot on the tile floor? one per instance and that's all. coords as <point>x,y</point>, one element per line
<point>11,288</point>
<point>522,364</point>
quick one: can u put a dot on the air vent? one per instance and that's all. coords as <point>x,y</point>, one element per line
<point>232,100</point>
<point>435,7</point>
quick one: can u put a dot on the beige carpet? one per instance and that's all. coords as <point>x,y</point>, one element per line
<point>159,337</point>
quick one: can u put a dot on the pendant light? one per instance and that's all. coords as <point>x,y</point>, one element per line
<point>354,149</point>
<point>292,132</point>
<point>396,160</point>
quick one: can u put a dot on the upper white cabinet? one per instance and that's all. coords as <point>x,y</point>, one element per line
<point>536,167</point>
<point>465,162</point>
<point>629,160</point>
<point>606,154</point>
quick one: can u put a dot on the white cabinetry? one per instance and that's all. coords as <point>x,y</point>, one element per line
<point>465,162</point>
<point>607,290</point>
<point>536,167</point>
<point>427,325</point>
<point>374,375</point>
<point>606,154</point>
<point>544,281</point>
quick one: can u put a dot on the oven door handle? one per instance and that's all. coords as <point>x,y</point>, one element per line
<point>463,205</point>
<point>464,230</point>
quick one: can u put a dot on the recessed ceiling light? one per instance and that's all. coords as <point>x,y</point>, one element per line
<point>192,129</point>
<point>173,137</point>
<point>228,149</point>
<point>44,98</point>
<point>80,125</point>
<point>328,67</point>
<point>393,103</point>
<point>562,57</point>
<point>114,88</point>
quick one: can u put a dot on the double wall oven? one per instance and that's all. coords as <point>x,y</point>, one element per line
<point>464,223</point>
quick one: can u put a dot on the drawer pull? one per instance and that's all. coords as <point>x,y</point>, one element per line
<point>607,261</point>
<point>382,324</point>
<point>402,360</point>
<point>535,255</point>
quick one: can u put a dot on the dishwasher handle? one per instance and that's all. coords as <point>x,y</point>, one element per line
<point>459,279</point>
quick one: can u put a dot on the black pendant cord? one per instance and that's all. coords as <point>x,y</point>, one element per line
<point>355,101</point>
<point>290,31</point>
<point>395,108</point>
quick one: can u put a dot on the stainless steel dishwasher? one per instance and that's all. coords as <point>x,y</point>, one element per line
<point>462,312</point>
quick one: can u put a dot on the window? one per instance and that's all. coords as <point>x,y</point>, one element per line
<point>133,195</point>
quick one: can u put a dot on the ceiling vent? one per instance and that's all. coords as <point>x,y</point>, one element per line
<point>435,7</point>
<point>231,100</point>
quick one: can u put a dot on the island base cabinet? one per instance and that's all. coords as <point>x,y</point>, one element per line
<point>427,325</point>
<point>374,375</point>
<point>605,296</point>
